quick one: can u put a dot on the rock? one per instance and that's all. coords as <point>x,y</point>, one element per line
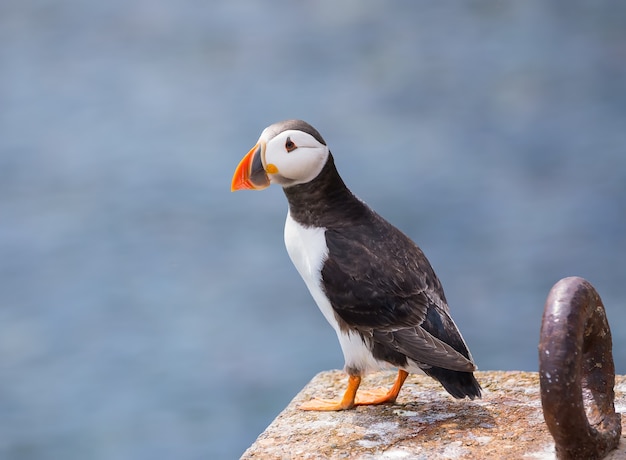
<point>425,422</point>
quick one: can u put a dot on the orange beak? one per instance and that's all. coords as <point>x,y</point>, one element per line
<point>250,173</point>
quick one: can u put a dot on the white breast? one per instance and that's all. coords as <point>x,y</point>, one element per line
<point>308,252</point>
<point>307,249</point>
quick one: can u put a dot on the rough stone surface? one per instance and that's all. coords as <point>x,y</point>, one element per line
<point>425,422</point>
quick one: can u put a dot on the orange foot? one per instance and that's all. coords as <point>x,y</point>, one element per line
<point>325,405</point>
<point>365,397</point>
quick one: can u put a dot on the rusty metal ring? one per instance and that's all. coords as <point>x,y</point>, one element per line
<point>576,372</point>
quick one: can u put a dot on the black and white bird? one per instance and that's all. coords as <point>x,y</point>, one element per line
<point>372,283</point>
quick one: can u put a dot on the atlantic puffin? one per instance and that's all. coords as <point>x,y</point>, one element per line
<point>371,282</point>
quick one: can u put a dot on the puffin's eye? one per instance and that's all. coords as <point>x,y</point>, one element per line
<point>289,145</point>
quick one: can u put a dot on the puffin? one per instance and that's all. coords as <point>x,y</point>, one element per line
<point>372,283</point>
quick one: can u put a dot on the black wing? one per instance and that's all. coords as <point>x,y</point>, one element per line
<point>381,284</point>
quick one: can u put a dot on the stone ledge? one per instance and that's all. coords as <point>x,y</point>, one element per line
<point>425,422</point>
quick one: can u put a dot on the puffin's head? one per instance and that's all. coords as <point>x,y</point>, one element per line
<point>288,153</point>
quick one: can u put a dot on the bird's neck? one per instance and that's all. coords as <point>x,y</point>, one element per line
<point>320,202</point>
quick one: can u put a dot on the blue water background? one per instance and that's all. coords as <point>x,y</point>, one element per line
<point>148,312</point>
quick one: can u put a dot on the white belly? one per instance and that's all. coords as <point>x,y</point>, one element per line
<point>308,251</point>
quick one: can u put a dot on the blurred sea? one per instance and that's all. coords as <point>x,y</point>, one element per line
<point>147,312</point>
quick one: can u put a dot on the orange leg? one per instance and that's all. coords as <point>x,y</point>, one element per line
<point>350,398</point>
<point>347,402</point>
<point>373,397</point>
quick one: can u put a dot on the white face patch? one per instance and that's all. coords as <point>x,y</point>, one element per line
<point>293,157</point>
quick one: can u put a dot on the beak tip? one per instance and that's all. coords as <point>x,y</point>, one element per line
<point>249,174</point>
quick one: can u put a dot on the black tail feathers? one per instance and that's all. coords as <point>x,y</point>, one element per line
<point>458,384</point>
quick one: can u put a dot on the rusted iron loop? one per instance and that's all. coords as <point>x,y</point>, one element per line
<point>576,372</point>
